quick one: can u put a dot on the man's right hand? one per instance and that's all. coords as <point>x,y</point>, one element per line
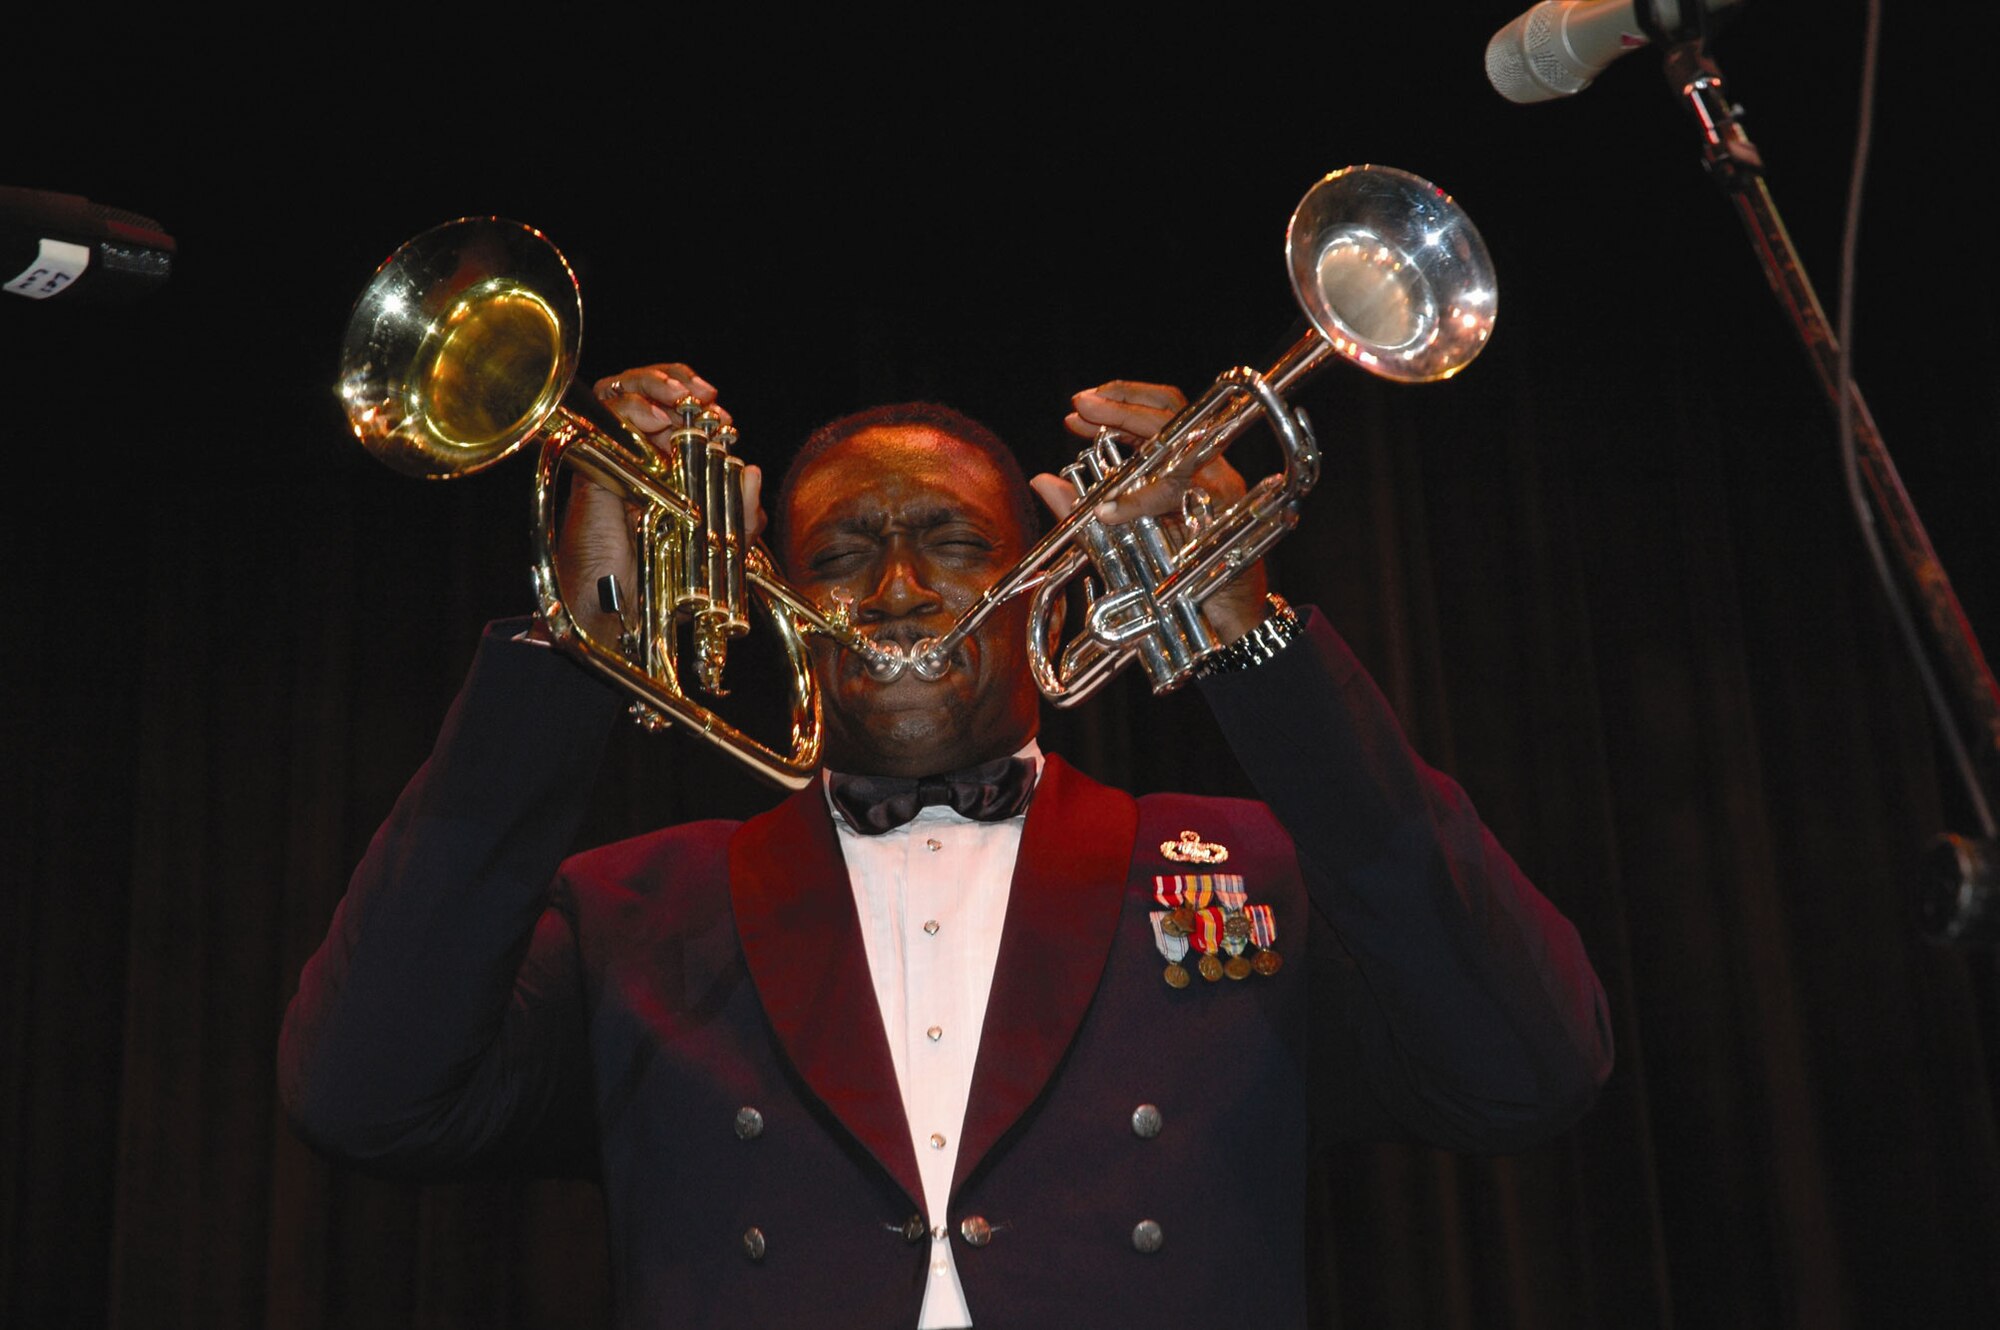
<point>1141,410</point>
<point>598,526</point>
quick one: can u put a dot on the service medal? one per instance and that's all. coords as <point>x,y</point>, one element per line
<point>1172,945</point>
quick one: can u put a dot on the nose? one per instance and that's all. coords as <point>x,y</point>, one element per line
<point>902,587</point>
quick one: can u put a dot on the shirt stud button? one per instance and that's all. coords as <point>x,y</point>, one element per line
<point>935,1033</point>
<point>937,1140</point>
<point>931,927</point>
<point>934,845</point>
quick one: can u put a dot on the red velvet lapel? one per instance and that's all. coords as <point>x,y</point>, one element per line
<point>795,916</point>
<point>1062,915</point>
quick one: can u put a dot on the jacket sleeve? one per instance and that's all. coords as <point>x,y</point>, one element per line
<point>1463,996</point>
<point>441,1020</point>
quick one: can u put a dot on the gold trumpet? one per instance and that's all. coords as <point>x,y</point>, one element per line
<point>1394,279</point>
<point>461,350</point>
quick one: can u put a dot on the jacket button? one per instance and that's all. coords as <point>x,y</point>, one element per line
<point>1146,1122</point>
<point>913,1229</point>
<point>976,1231</point>
<point>749,1123</point>
<point>1147,1237</point>
<point>753,1243</point>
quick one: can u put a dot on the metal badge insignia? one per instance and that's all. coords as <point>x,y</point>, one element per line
<point>1192,849</point>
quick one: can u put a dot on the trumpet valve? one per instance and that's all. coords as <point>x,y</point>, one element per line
<point>1103,454</point>
<point>712,631</point>
<point>1080,476</point>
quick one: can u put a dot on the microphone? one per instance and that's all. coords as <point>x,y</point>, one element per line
<point>1559,46</point>
<point>53,245</point>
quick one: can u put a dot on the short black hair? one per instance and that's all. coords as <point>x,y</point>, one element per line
<point>945,420</point>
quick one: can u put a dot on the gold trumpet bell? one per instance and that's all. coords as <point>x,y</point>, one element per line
<point>461,347</point>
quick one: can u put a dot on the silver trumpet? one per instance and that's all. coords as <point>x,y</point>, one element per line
<point>1394,279</point>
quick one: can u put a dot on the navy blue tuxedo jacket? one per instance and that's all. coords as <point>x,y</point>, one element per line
<point>463,1010</point>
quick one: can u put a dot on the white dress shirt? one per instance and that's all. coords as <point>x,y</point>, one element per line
<point>932,899</point>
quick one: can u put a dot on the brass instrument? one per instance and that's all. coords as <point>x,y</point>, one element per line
<point>460,351</point>
<point>1394,279</point>
<point>463,347</point>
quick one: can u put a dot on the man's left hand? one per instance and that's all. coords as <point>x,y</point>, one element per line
<point>1139,410</point>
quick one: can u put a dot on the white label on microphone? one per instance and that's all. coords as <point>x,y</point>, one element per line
<point>58,264</point>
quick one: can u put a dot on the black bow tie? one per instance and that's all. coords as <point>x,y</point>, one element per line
<point>985,793</point>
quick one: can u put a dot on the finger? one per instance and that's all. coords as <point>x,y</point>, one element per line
<point>668,384</point>
<point>1137,413</point>
<point>1164,495</point>
<point>642,397</point>
<point>1135,393</point>
<point>1159,498</point>
<point>753,500</point>
<point>1132,421</point>
<point>640,412</point>
<point>1057,493</point>
<point>1223,481</point>
<point>668,381</point>
<point>648,398</point>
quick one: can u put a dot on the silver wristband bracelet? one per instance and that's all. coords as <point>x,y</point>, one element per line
<point>1273,633</point>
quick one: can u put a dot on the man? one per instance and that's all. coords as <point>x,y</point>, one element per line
<point>946,1070</point>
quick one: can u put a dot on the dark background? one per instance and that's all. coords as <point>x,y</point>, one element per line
<point>1608,577</point>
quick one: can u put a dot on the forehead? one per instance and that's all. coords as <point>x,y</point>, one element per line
<point>886,470</point>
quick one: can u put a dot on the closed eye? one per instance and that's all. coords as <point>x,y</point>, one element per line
<point>957,537</point>
<point>837,558</point>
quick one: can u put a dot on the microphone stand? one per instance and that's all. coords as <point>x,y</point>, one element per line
<point>1958,897</point>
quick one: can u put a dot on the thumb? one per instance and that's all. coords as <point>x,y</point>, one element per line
<point>1058,494</point>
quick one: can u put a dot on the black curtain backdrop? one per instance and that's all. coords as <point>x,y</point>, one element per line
<point>1608,576</point>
